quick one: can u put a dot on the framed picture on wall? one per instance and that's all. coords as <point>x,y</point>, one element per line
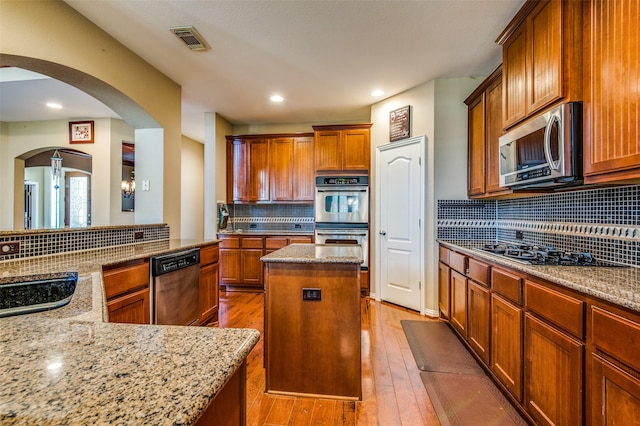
<point>81,132</point>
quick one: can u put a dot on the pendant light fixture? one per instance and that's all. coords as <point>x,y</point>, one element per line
<point>56,167</point>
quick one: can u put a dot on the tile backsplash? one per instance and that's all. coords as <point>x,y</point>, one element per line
<point>604,222</point>
<point>271,217</point>
<point>44,242</point>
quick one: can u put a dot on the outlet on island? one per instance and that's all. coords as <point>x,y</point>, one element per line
<point>311,294</point>
<point>519,235</point>
<point>138,235</point>
<point>10,248</point>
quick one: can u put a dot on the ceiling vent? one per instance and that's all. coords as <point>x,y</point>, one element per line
<point>190,36</point>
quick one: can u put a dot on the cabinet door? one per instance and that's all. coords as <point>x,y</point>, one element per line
<point>459,303</point>
<point>209,294</point>
<point>615,395</point>
<point>251,267</point>
<point>237,170</point>
<point>612,72</point>
<point>506,344</point>
<point>493,127</point>
<point>476,147</point>
<point>478,302</point>
<point>131,308</point>
<point>514,77</point>
<point>258,175</point>
<point>304,184</point>
<point>230,266</point>
<point>444,278</point>
<point>281,160</point>
<point>553,374</point>
<point>545,61</point>
<point>327,150</point>
<point>355,150</point>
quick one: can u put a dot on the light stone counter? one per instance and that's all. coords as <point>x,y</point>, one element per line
<point>69,367</point>
<point>620,286</point>
<point>316,253</point>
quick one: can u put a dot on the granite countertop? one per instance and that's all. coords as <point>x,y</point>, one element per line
<point>620,286</point>
<point>316,253</point>
<point>68,366</point>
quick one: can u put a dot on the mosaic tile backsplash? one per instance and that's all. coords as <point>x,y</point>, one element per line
<point>604,222</point>
<point>271,217</point>
<point>46,242</point>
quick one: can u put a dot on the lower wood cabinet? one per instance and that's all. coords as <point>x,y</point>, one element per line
<point>459,303</point>
<point>615,395</point>
<point>126,288</point>
<point>209,288</point>
<point>229,407</point>
<point>554,365</point>
<point>478,316</point>
<point>506,343</point>
<point>444,279</point>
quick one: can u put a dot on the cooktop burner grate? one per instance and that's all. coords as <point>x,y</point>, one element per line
<point>545,255</point>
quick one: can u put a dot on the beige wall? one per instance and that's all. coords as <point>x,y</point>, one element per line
<point>63,44</point>
<point>192,189</point>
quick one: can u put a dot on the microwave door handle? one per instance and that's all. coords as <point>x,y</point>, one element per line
<point>547,141</point>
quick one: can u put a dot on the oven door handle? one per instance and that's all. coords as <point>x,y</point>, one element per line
<point>333,234</point>
<point>340,190</point>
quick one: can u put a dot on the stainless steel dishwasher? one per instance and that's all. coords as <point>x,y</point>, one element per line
<point>176,288</point>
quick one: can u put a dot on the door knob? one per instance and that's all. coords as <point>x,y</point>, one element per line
<point>383,233</point>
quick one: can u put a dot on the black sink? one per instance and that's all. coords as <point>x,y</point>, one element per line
<point>36,293</point>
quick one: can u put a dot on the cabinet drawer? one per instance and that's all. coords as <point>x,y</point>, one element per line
<point>123,279</point>
<point>251,242</point>
<point>562,310</point>
<point>479,272</point>
<point>209,254</point>
<point>508,285</point>
<point>444,255</point>
<point>300,240</point>
<point>272,243</point>
<point>616,335</point>
<point>458,262</point>
<point>230,242</point>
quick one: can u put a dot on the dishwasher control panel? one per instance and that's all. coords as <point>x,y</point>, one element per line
<point>174,261</point>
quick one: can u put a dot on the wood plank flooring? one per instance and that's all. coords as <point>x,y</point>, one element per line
<point>393,393</point>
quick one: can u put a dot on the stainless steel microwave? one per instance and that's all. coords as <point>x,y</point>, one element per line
<point>544,151</point>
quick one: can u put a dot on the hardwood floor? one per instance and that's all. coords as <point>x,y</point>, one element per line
<point>392,392</point>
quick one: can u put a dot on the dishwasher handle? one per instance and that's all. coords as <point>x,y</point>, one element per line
<point>171,262</point>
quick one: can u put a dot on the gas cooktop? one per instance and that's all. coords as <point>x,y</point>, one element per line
<point>543,255</point>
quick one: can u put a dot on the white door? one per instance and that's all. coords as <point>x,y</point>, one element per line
<point>400,201</point>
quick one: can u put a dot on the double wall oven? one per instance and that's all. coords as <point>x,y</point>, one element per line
<point>342,212</point>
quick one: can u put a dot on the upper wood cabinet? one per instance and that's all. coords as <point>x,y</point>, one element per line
<point>611,75</point>
<point>542,57</point>
<point>343,148</point>
<point>270,168</point>
<point>485,127</point>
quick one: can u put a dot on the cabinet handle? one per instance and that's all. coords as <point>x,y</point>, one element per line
<point>466,272</point>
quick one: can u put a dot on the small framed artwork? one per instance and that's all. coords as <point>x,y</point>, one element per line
<point>81,132</point>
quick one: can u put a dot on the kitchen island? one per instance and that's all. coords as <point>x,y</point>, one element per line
<point>70,366</point>
<point>312,321</point>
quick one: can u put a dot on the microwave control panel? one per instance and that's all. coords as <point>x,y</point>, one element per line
<point>528,174</point>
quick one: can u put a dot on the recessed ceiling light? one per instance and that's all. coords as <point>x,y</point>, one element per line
<point>377,93</point>
<point>54,105</point>
<point>276,98</point>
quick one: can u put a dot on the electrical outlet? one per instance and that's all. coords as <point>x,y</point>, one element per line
<point>253,226</point>
<point>12,247</point>
<point>519,235</point>
<point>138,235</point>
<point>311,294</point>
<point>297,226</point>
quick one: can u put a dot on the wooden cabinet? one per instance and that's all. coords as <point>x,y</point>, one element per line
<point>459,303</point>
<point>484,129</point>
<point>506,343</point>
<point>248,170</point>
<point>542,58</point>
<point>272,244</point>
<point>250,264</point>
<point>554,365</point>
<point>478,317</point>
<point>209,288</point>
<point>611,75</point>
<point>614,366</point>
<point>229,407</point>
<point>270,168</point>
<point>240,261</point>
<point>291,169</point>
<point>444,280</point>
<point>342,148</point>
<point>126,288</point>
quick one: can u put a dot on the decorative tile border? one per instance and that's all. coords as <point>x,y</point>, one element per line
<point>587,230</point>
<point>272,220</point>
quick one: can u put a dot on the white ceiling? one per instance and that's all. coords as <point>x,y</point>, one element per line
<point>324,57</point>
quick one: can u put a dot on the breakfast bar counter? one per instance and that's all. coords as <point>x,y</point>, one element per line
<point>69,366</point>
